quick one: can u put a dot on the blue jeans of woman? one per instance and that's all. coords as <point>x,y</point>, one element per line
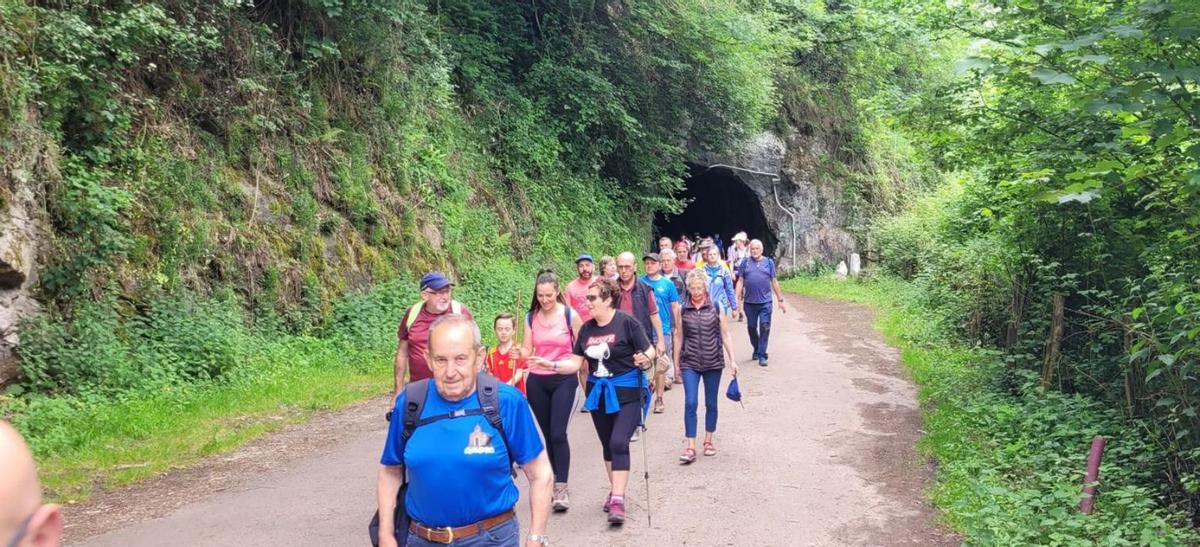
<point>691,388</point>
<point>505,534</point>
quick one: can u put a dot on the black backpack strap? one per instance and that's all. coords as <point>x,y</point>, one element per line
<point>414,402</point>
<point>488,391</point>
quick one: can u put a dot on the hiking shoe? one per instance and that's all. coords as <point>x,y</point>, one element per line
<point>562,500</point>
<point>659,407</point>
<point>762,361</point>
<point>616,512</point>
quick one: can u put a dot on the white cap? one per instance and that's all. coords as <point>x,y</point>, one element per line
<point>739,236</point>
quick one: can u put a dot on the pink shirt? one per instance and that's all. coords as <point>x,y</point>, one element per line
<point>551,342</point>
<point>577,298</point>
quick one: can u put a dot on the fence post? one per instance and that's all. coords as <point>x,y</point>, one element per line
<point>1088,503</point>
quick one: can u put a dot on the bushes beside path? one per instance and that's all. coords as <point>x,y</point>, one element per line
<point>1010,456</point>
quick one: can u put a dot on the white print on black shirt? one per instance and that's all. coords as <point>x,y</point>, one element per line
<point>598,349</point>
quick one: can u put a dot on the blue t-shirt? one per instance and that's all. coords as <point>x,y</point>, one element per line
<point>664,295</point>
<point>757,276</point>
<point>458,469</point>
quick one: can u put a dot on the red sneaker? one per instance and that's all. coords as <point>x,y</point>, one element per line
<point>616,512</point>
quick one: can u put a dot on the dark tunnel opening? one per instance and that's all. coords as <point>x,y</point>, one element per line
<point>718,202</point>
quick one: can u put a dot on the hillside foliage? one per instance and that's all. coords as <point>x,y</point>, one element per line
<point>1073,137</point>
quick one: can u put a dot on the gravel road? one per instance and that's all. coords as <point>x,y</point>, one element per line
<point>822,454</point>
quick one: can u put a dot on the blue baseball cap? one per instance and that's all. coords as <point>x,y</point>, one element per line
<point>583,257</point>
<point>434,281</point>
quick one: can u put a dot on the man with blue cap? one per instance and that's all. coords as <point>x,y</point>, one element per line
<point>436,301</point>
<point>577,289</point>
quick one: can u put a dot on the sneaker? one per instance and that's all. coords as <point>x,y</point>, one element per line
<point>635,436</point>
<point>607,501</point>
<point>762,361</point>
<point>562,500</point>
<point>659,407</point>
<point>616,512</point>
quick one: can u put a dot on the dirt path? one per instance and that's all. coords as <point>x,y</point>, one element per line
<point>822,454</point>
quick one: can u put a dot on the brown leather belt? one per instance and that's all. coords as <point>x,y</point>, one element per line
<point>447,535</point>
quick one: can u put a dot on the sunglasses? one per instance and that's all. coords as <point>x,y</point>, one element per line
<point>593,297</point>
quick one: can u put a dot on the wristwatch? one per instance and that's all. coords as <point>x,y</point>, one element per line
<point>539,538</point>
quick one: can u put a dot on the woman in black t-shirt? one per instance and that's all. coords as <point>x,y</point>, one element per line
<point>616,350</point>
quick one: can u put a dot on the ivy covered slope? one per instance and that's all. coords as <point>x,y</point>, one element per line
<point>215,185</point>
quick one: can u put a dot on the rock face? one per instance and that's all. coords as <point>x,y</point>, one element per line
<point>22,228</point>
<point>808,218</point>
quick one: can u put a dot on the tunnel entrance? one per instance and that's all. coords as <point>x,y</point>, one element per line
<point>718,202</point>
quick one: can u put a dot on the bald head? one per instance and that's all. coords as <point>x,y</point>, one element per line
<point>626,267</point>
<point>21,496</point>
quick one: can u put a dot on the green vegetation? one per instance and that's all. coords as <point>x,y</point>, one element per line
<point>1071,141</point>
<point>239,195</point>
<point>1010,462</point>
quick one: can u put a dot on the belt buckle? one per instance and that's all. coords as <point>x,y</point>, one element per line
<point>449,531</point>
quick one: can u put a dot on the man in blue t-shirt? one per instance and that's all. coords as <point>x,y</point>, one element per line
<point>459,474</point>
<point>756,281</point>
<point>667,298</point>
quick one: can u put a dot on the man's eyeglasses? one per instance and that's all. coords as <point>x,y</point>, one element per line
<point>21,531</point>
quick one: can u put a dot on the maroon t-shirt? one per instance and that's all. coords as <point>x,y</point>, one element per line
<point>418,340</point>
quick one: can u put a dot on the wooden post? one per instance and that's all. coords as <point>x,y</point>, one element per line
<point>1012,333</point>
<point>1088,503</point>
<point>1133,373</point>
<point>1054,344</point>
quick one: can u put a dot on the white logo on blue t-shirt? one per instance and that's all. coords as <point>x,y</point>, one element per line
<point>479,443</point>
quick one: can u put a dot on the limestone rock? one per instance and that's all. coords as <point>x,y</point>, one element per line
<point>855,264</point>
<point>842,270</point>
<point>808,220</point>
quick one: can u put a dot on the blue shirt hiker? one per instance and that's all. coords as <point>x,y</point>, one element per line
<point>720,288</point>
<point>664,295</point>
<point>458,469</point>
<point>757,277</point>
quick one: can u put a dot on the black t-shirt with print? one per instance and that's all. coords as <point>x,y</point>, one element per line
<point>625,337</point>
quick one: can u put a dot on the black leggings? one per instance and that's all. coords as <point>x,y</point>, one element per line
<point>552,398</point>
<point>615,430</point>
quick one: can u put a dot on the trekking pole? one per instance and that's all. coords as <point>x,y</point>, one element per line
<point>645,440</point>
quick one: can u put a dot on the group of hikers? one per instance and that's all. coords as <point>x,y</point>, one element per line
<point>452,451</point>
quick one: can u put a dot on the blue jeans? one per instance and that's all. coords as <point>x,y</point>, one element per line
<point>505,534</point>
<point>691,385</point>
<point>758,323</point>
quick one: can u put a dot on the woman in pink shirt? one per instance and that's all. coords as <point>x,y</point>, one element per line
<point>551,327</point>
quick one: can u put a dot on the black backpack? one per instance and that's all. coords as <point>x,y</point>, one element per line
<point>487,390</point>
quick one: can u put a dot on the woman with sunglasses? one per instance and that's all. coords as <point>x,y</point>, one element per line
<point>550,329</point>
<point>701,344</point>
<point>617,351</point>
